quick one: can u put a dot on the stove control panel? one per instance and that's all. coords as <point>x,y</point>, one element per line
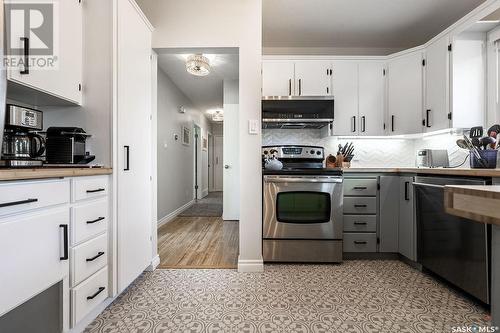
<point>294,152</point>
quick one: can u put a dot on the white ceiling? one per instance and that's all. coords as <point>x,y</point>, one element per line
<point>395,24</point>
<point>205,92</point>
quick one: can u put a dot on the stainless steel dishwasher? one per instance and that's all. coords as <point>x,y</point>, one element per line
<point>454,248</point>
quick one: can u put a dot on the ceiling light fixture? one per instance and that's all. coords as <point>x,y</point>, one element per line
<point>198,65</point>
<point>218,115</point>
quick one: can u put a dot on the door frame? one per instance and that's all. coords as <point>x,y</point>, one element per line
<point>214,188</point>
<point>210,161</point>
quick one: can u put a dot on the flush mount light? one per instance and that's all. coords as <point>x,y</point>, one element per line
<point>198,65</point>
<point>218,115</point>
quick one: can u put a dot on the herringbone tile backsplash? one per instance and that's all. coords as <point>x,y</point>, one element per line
<point>370,152</point>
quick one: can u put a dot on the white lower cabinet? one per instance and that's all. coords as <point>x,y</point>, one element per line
<point>88,294</point>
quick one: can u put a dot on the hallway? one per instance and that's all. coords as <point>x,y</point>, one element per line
<point>211,205</point>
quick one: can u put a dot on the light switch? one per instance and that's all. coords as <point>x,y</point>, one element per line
<point>253,127</point>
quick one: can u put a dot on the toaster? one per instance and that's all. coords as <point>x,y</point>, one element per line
<point>432,158</point>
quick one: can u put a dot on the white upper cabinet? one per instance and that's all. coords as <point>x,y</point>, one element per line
<point>371,98</point>
<point>345,89</point>
<point>278,78</point>
<point>64,81</point>
<point>436,111</point>
<point>404,94</point>
<point>312,78</point>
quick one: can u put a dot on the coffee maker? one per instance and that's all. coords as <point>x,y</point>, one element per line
<point>22,145</point>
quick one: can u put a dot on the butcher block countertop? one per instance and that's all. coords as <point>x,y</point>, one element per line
<point>40,173</point>
<point>475,202</point>
<point>430,171</point>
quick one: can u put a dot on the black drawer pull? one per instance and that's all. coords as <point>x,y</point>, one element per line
<point>95,191</point>
<point>96,220</point>
<point>101,289</point>
<point>360,242</point>
<point>360,188</point>
<point>360,206</point>
<point>16,203</point>
<point>360,223</point>
<point>95,257</point>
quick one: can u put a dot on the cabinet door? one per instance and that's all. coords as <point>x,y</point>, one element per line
<point>437,85</point>
<point>406,229</point>
<point>345,90</point>
<point>371,98</point>
<point>32,253</point>
<point>312,78</point>
<point>405,94</point>
<point>63,81</point>
<point>389,214</point>
<point>278,78</point>
<point>134,138</point>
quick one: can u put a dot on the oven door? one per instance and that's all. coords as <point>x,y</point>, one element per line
<point>303,207</point>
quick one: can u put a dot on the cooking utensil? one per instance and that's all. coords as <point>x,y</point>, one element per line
<point>462,144</point>
<point>487,141</point>
<point>475,151</point>
<point>476,132</point>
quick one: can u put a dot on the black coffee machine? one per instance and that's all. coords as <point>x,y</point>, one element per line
<point>67,146</point>
<point>22,145</point>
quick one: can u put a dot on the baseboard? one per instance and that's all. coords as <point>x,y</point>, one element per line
<point>88,319</point>
<point>250,266</point>
<point>204,193</point>
<point>174,214</point>
<point>154,263</point>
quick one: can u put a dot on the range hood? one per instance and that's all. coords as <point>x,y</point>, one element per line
<point>297,112</point>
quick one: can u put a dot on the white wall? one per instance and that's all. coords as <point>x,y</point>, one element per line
<point>239,25</point>
<point>175,160</point>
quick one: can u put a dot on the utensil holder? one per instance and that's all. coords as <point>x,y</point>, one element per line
<point>331,162</point>
<point>489,156</point>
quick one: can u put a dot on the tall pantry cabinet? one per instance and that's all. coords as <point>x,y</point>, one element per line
<point>132,151</point>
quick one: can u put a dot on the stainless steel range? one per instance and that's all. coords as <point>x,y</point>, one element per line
<point>302,207</point>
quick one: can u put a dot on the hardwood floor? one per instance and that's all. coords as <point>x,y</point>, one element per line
<point>198,242</point>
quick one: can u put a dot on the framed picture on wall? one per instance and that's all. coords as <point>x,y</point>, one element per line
<point>204,144</point>
<point>186,136</point>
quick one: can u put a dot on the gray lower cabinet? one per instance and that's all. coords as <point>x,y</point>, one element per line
<point>389,214</point>
<point>407,228</point>
<point>360,242</point>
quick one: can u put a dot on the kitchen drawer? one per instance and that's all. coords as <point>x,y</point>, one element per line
<point>89,187</point>
<point>18,197</point>
<point>360,223</point>
<point>88,295</point>
<point>88,220</point>
<point>360,242</point>
<point>360,205</point>
<point>88,258</point>
<point>360,187</point>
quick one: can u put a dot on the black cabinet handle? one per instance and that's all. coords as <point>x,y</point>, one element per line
<point>363,124</point>
<point>99,254</point>
<point>96,220</point>
<point>26,47</point>
<point>127,158</point>
<point>407,194</point>
<point>16,203</point>
<point>65,230</point>
<point>427,118</point>
<point>360,242</point>
<point>353,125</point>
<point>360,187</point>
<point>300,87</point>
<point>360,223</point>
<point>360,206</point>
<point>100,290</point>
<point>95,191</point>
<point>290,87</point>
<point>392,123</point>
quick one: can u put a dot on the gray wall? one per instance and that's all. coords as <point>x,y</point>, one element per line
<point>175,160</point>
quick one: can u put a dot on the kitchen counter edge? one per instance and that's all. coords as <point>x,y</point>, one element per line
<point>429,171</point>
<point>43,173</point>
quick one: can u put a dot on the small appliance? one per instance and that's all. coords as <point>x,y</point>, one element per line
<point>432,158</point>
<point>67,145</point>
<point>22,145</point>
<point>303,216</point>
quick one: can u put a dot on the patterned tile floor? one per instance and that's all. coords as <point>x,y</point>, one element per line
<point>357,296</point>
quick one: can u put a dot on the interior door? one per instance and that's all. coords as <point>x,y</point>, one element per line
<point>405,94</point>
<point>134,138</point>
<point>277,78</point>
<point>436,83</point>
<point>312,78</point>
<point>371,98</point>
<point>218,163</point>
<point>345,90</point>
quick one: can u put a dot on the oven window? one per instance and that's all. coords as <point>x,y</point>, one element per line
<point>303,207</point>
